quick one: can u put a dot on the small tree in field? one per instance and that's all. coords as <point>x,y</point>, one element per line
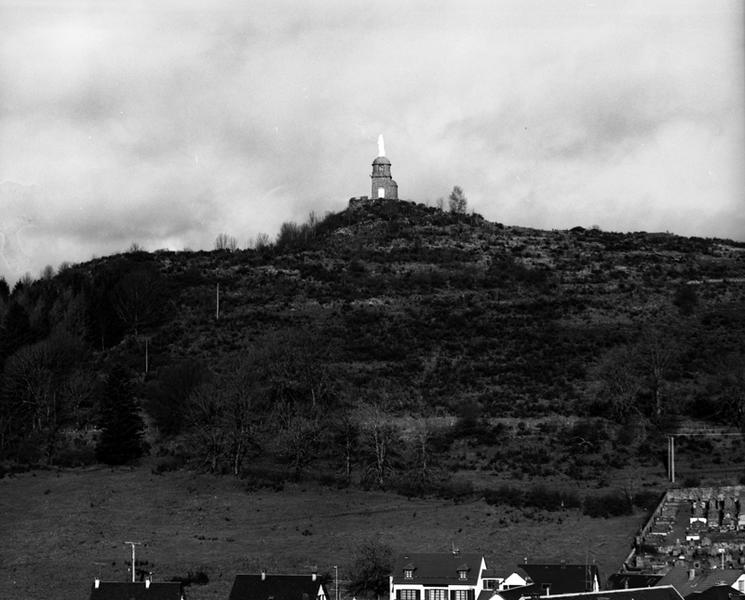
<point>457,201</point>
<point>368,575</point>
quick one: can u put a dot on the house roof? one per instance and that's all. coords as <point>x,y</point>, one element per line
<point>276,587</point>
<point>525,591</point>
<point>680,578</point>
<point>118,590</point>
<point>665,592</point>
<point>438,568</point>
<point>620,581</point>
<point>562,578</point>
<point>721,591</point>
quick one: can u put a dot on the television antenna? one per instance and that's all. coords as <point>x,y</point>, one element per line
<point>133,544</point>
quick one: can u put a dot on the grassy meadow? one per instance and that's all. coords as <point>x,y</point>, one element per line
<point>61,529</point>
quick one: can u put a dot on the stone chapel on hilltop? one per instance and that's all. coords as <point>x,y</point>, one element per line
<point>383,185</point>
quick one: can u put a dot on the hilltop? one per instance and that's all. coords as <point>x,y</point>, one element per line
<point>482,331</point>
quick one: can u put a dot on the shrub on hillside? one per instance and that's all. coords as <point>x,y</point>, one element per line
<point>611,504</point>
<point>454,490</point>
<point>647,500</point>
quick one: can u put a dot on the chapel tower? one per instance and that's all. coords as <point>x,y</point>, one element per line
<point>383,185</point>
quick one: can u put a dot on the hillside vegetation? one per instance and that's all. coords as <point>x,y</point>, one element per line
<point>391,345</point>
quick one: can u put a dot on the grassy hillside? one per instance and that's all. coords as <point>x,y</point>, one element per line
<point>491,354</point>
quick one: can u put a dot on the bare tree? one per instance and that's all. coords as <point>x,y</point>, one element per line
<point>225,417</point>
<point>298,434</point>
<point>223,241</point>
<point>421,431</point>
<point>378,436</point>
<point>262,241</point>
<point>137,298</point>
<point>42,393</point>
<point>457,201</point>
<point>206,417</point>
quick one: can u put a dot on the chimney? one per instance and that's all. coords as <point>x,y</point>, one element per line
<point>96,582</point>
<point>263,575</point>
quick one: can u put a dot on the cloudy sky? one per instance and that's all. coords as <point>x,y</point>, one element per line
<point>165,123</point>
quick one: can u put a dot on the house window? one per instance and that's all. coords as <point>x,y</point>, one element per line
<point>435,594</point>
<point>741,585</point>
<point>407,594</point>
<point>461,595</point>
<point>408,574</point>
<point>381,192</point>
<point>490,584</point>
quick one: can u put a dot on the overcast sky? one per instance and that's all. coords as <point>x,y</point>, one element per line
<point>165,123</point>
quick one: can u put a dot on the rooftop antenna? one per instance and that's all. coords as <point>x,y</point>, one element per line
<point>133,544</point>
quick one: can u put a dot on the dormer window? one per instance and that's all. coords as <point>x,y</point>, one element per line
<point>462,574</point>
<point>408,573</point>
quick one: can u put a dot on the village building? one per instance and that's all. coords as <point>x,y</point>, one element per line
<point>278,587</point>
<point>645,593</point>
<point>691,580</point>
<point>438,576</point>
<point>550,579</point>
<point>716,592</point>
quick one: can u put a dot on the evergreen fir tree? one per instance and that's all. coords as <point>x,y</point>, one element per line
<point>121,438</point>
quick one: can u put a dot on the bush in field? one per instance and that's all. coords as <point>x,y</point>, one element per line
<point>611,504</point>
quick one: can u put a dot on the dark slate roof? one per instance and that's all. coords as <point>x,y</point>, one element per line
<point>381,160</point>
<point>720,591</point>
<point>519,592</point>
<point>276,587</point>
<point>563,578</point>
<point>620,581</point>
<point>680,578</point>
<point>117,590</point>
<point>666,592</point>
<point>437,568</point>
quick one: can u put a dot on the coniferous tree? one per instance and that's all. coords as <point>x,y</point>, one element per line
<point>122,425</point>
<point>4,290</point>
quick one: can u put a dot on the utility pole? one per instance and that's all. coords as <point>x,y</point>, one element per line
<point>147,354</point>
<point>336,581</point>
<point>671,458</point>
<point>133,544</point>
